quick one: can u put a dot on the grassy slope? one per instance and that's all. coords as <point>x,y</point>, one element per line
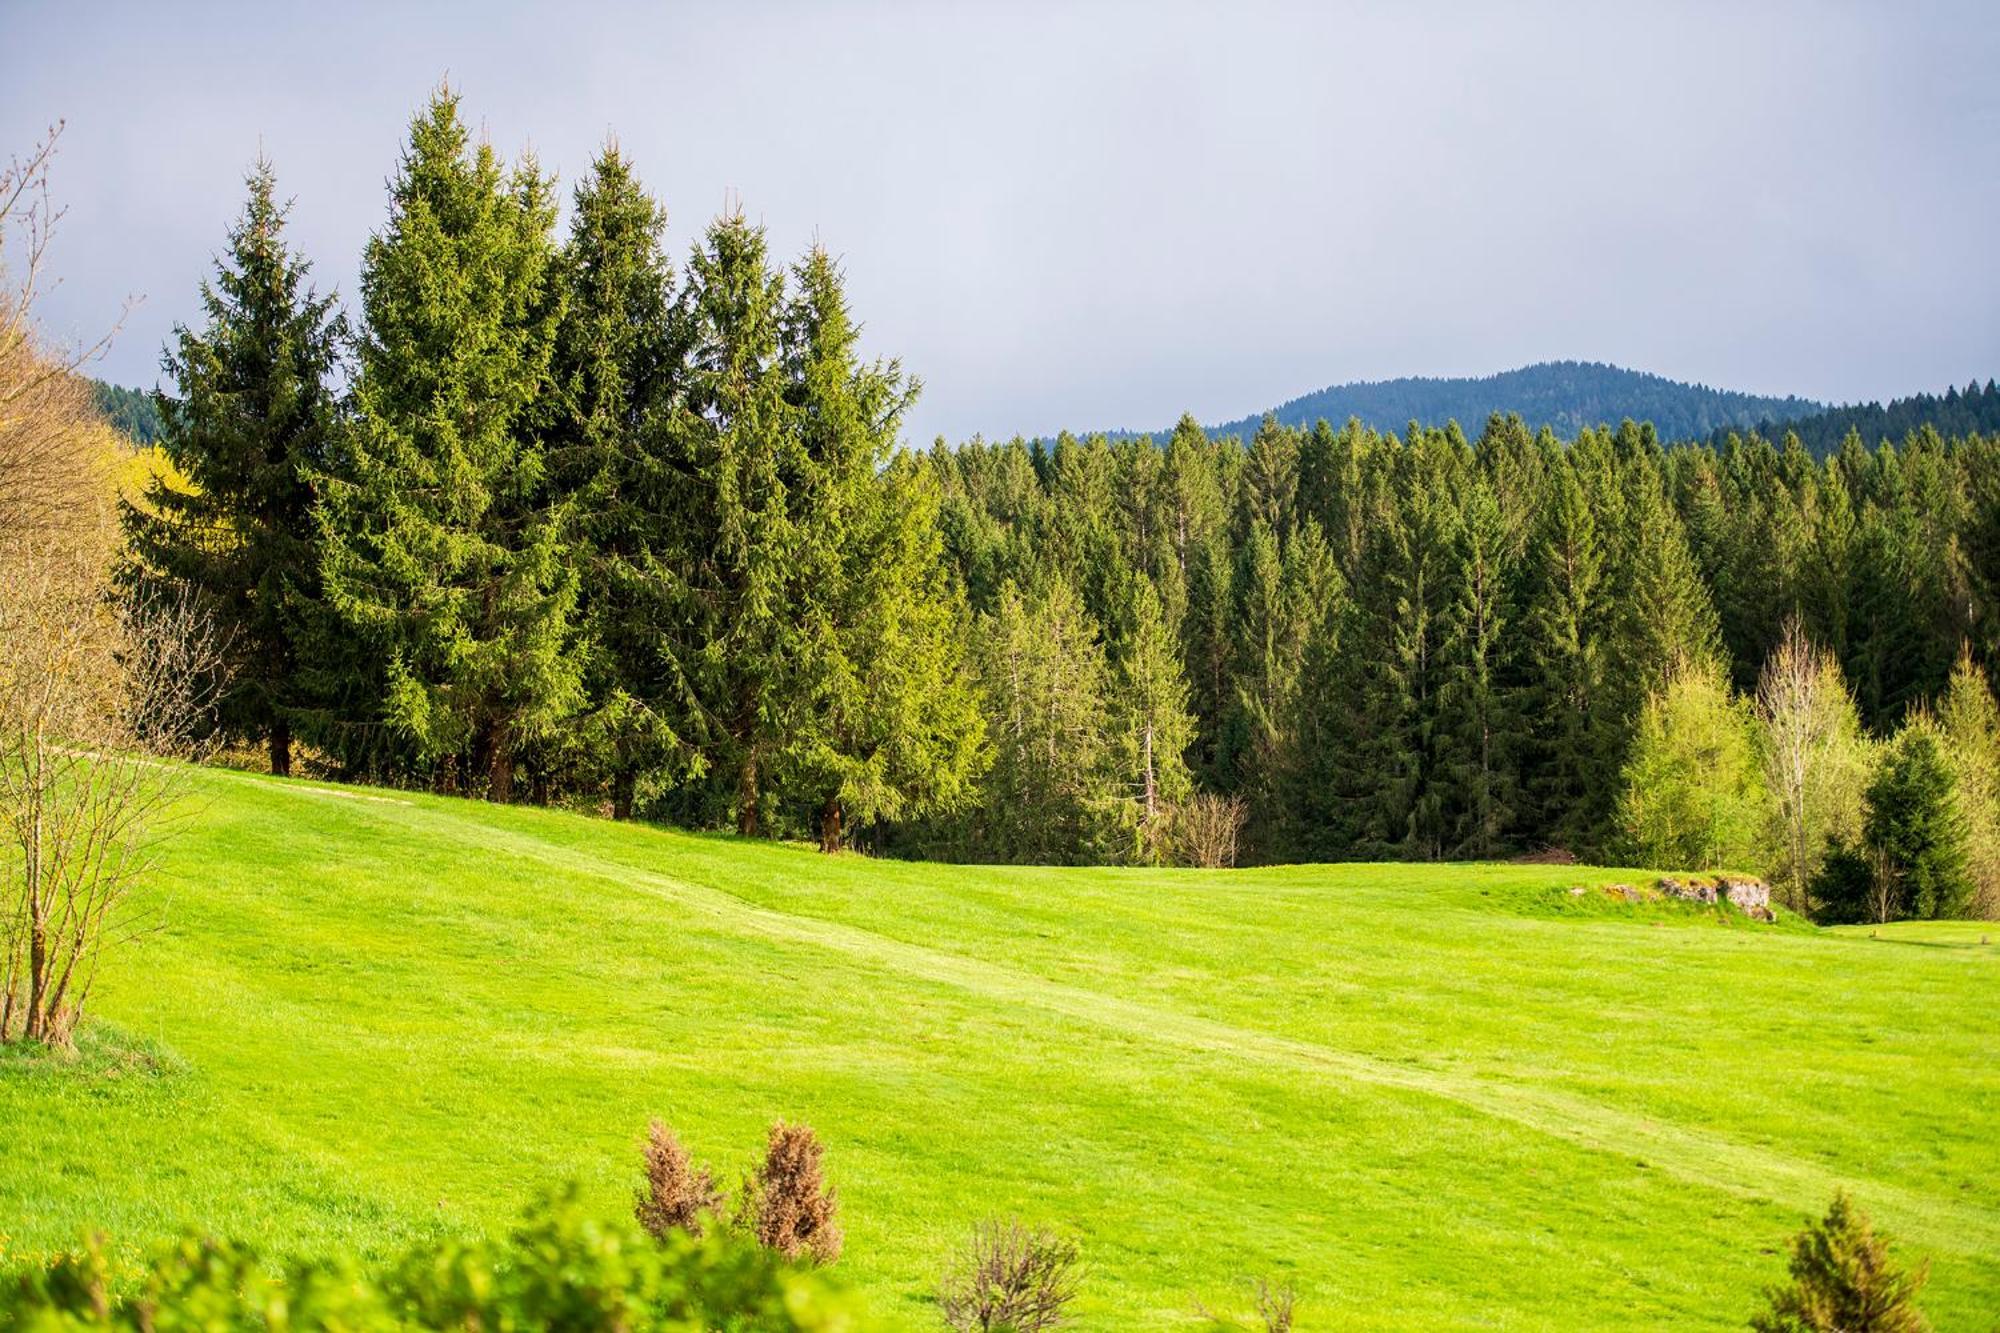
<point>1428,1097</point>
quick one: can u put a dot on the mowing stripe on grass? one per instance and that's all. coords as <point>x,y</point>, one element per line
<point>1697,1156</point>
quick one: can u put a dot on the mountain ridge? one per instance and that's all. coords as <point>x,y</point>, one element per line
<point>1566,396</point>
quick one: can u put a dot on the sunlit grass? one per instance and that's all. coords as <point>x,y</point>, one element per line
<point>1425,1096</point>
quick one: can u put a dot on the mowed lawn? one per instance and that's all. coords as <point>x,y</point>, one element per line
<point>1424,1096</point>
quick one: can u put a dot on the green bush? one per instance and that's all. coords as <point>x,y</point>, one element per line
<point>561,1267</point>
<point>1844,1281</point>
<point>1915,824</point>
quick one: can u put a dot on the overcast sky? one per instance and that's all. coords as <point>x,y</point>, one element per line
<point>1103,215</point>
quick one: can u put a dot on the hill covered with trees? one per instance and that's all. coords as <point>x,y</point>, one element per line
<point>1565,396</point>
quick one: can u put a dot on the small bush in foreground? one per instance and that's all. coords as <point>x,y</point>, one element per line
<point>788,1204</point>
<point>1273,1304</point>
<point>1011,1278</point>
<point>1843,1281</point>
<point>678,1195</point>
<point>561,1268</point>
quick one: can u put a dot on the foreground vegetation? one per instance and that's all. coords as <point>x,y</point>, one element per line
<point>1421,1096</point>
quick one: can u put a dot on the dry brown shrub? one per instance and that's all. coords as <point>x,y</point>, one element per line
<point>677,1195</point>
<point>1011,1278</point>
<point>788,1206</point>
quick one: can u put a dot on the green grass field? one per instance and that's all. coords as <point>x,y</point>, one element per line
<point>1425,1096</point>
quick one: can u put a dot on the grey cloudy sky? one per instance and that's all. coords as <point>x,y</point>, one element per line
<point>1102,215</point>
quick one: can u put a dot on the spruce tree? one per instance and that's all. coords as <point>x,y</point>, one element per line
<point>616,368</point>
<point>252,418</point>
<point>1562,646</point>
<point>1479,737</point>
<point>881,718</point>
<point>440,552</point>
<point>1051,795</point>
<point>1154,730</point>
<point>1844,1281</point>
<point>1917,829</point>
<point>732,451</point>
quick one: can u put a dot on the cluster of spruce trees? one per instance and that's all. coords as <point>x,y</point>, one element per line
<point>549,510</point>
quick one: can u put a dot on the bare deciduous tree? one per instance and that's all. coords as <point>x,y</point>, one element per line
<point>98,697</point>
<point>1206,828</point>
<point>1814,756</point>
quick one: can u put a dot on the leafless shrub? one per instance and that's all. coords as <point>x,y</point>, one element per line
<point>1011,1278</point>
<point>100,705</point>
<point>1206,827</point>
<point>678,1195</point>
<point>1272,1303</point>
<point>787,1204</point>
<point>1274,1306</point>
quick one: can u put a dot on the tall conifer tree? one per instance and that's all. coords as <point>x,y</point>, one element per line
<point>441,553</point>
<point>881,718</point>
<point>616,368</point>
<point>253,416</point>
<point>733,453</point>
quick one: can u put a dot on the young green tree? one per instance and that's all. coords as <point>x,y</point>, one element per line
<point>1693,794</point>
<point>1052,794</point>
<point>1844,1281</point>
<point>1969,728</point>
<point>439,551</point>
<point>1149,701</point>
<point>1917,830</point>
<point>881,717</point>
<point>252,417</point>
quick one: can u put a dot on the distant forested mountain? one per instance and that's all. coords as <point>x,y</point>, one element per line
<point>1973,410</point>
<point>1564,395</point>
<point>130,410</point>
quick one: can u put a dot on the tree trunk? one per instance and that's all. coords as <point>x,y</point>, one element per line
<point>281,749</point>
<point>622,784</point>
<point>747,822</point>
<point>1148,762</point>
<point>829,825</point>
<point>500,769</point>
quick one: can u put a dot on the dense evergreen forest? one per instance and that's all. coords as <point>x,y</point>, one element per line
<point>581,527</point>
<point>1973,410</point>
<point>133,411</point>
<point>1565,396</point>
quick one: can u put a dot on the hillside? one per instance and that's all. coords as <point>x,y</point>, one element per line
<point>1564,395</point>
<point>1429,1097</point>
